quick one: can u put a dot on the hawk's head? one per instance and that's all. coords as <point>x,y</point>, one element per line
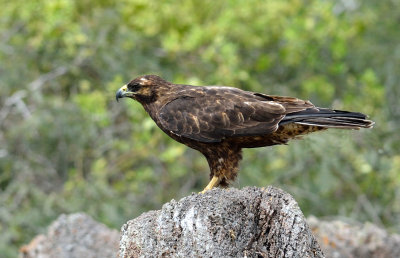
<point>143,88</point>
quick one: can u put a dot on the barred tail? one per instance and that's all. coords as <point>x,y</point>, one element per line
<point>328,118</point>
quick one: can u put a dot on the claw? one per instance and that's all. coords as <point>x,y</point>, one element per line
<point>213,183</point>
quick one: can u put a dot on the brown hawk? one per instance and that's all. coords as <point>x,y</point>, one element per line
<point>220,121</point>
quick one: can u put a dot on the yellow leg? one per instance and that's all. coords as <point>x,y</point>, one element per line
<point>213,183</point>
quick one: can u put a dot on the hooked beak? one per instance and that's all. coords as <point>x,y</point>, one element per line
<point>123,92</point>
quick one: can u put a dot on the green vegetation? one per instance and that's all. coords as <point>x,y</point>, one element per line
<point>67,146</point>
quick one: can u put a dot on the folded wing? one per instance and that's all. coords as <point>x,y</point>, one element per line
<point>223,112</point>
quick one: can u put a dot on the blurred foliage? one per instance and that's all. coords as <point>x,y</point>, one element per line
<point>67,146</point>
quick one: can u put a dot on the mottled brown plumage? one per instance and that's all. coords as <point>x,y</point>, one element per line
<point>220,121</point>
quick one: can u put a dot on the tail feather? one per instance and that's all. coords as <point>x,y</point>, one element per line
<point>328,118</point>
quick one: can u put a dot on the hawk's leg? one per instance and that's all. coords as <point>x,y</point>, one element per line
<point>213,183</point>
<point>223,160</point>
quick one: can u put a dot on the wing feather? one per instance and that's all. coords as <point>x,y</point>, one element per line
<point>220,113</point>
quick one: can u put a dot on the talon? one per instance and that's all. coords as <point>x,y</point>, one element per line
<point>203,192</point>
<point>213,183</point>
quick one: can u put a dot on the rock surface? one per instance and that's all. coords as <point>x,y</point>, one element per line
<point>74,236</point>
<point>251,222</point>
<point>344,240</point>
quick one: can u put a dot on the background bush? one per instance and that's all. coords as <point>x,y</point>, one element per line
<point>67,146</point>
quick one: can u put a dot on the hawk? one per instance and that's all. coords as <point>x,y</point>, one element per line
<point>220,121</point>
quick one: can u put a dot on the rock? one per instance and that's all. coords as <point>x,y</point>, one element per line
<point>74,236</point>
<point>341,239</point>
<point>251,222</point>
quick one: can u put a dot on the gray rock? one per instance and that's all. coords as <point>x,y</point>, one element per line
<point>339,239</point>
<point>74,236</point>
<point>251,222</point>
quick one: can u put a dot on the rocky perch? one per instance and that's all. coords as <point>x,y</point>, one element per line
<point>251,222</point>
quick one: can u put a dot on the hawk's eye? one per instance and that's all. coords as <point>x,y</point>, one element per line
<point>134,87</point>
